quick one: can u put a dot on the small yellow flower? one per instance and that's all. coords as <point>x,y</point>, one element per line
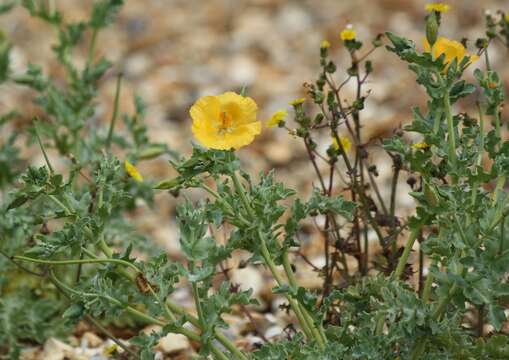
<point>507,17</point>
<point>225,121</point>
<point>132,171</point>
<point>297,101</point>
<point>450,48</point>
<point>438,7</point>
<point>277,118</point>
<point>325,44</point>
<point>348,34</point>
<point>420,146</point>
<point>345,143</point>
<point>110,350</point>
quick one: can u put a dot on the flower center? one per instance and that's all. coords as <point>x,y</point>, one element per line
<point>226,122</point>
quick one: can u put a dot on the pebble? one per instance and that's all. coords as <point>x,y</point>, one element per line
<point>91,340</point>
<point>173,343</point>
<point>248,278</point>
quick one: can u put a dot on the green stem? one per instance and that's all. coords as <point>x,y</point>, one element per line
<point>242,193</point>
<point>219,354</point>
<point>105,248</point>
<point>115,112</point>
<point>67,211</point>
<point>497,125</point>
<point>419,347</point>
<point>450,129</point>
<point>147,318</point>
<point>380,324</point>
<point>444,301</point>
<point>46,158</point>
<point>317,330</point>
<point>220,200</point>
<point>426,292</point>
<point>502,235</point>
<point>91,49</point>
<point>229,345</point>
<point>193,320</point>
<point>293,304</point>
<point>406,253</point>
<point>76,261</point>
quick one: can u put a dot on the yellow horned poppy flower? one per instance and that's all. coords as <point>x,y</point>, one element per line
<point>450,48</point>
<point>438,7</point>
<point>277,118</point>
<point>132,171</point>
<point>325,44</point>
<point>420,146</point>
<point>225,121</point>
<point>345,143</point>
<point>348,33</point>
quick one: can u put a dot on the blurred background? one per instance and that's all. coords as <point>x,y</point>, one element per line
<point>173,51</point>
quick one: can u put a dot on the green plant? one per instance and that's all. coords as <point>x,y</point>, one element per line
<point>67,252</point>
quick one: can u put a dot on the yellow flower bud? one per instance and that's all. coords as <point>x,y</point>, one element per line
<point>348,34</point>
<point>277,118</point>
<point>346,144</point>
<point>324,44</point>
<point>420,146</point>
<point>297,101</point>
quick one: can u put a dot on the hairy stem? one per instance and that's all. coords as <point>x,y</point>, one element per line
<point>451,138</point>
<point>406,253</point>
<point>115,112</point>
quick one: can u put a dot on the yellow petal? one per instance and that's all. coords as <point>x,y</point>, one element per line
<point>242,107</point>
<point>345,143</point>
<point>438,7</point>
<point>325,44</point>
<point>278,117</point>
<point>297,101</point>
<point>451,50</point>
<point>420,146</point>
<point>132,171</point>
<point>348,34</point>
<point>206,110</point>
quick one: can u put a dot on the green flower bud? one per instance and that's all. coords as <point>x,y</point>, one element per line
<point>432,29</point>
<point>168,184</point>
<point>151,152</point>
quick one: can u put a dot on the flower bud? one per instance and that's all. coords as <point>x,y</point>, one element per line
<point>432,28</point>
<point>151,152</point>
<point>167,184</point>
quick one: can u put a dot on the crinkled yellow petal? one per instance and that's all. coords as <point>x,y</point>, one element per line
<point>206,110</point>
<point>242,108</point>
<point>451,50</point>
<point>240,136</point>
